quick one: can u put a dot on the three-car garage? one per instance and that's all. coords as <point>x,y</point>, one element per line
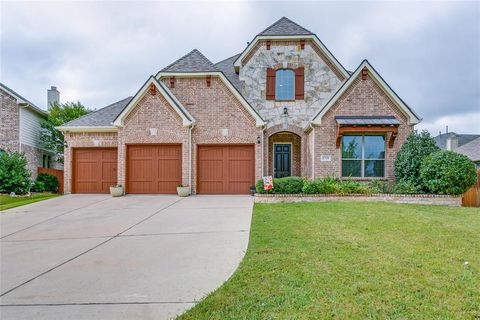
<point>157,169</point>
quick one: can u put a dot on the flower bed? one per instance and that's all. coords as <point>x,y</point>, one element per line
<point>430,199</point>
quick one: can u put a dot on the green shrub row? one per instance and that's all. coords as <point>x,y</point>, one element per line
<point>15,177</point>
<point>297,185</point>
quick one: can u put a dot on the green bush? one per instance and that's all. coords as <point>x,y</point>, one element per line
<point>352,187</point>
<point>287,185</point>
<point>404,187</point>
<point>49,181</point>
<point>380,186</point>
<point>447,172</point>
<point>38,186</point>
<point>14,175</point>
<point>409,159</point>
<point>321,186</point>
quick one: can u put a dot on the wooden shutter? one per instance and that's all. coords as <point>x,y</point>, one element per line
<point>299,84</point>
<point>270,90</point>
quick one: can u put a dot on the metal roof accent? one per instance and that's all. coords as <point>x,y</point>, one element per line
<point>367,120</point>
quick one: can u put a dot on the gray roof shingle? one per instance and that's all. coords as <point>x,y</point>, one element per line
<point>470,149</point>
<point>441,140</point>
<point>194,61</point>
<point>101,117</point>
<point>226,66</point>
<point>285,27</point>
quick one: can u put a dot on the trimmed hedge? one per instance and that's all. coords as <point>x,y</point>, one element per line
<point>447,172</point>
<point>287,185</point>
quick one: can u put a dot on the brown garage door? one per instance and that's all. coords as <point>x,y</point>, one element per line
<point>225,169</point>
<point>154,168</point>
<point>94,169</point>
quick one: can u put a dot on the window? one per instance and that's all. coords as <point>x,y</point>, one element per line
<point>284,84</point>
<point>46,161</point>
<point>363,156</point>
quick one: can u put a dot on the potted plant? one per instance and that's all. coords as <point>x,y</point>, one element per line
<point>183,191</point>
<point>253,190</point>
<point>116,190</point>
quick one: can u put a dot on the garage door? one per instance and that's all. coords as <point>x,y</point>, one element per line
<point>154,168</point>
<point>94,169</point>
<point>225,169</point>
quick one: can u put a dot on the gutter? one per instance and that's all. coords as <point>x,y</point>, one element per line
<point>190,154</point>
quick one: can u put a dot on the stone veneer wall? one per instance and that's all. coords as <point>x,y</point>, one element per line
<point>9,123</point>
<point>362,98</point>
<point>215,108</point>
<point>84,140</point>
<point>320,81</point>
<point>152,112</point>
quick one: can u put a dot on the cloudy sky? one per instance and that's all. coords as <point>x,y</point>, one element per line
<point>101,52</point>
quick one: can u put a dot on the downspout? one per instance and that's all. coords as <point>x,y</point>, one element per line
<point>313,153</point>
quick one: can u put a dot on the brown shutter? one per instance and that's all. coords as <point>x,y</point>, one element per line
<point>270,90</point>
<point>299,84</point>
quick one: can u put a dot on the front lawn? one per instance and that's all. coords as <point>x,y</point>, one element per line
<point>7,202</point>
<point>354,261</point>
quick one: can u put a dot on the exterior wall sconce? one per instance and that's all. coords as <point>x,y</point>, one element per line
<point>285,111</point>
<point>258,140</point>
<point>65,145</point>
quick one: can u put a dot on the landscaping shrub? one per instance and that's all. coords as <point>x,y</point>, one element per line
<point>352,187</point>
<point>38,186</point>
<point>447,172</point>
<point>321,186</point>
<point>49,181</point>
<point>14,175</point>
<point>409,159</point>
<point>380,186</point>
<point>405,187</point>
<point>287,185</point>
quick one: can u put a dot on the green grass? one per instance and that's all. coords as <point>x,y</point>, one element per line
<point>7,202</point>
<point>354,261</point>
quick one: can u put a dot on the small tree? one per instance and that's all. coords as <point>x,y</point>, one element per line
<point>14,175</point>
<point>409,159</point>
<point>58,114</point>
<point>447,172</point>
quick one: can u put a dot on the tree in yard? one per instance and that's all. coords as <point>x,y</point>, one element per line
<point>58,114</point>
<point>409,159</point>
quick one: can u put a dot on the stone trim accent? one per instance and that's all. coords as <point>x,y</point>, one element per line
<point>427,199</point>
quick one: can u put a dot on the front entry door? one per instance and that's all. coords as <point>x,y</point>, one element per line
<point>282,155</point>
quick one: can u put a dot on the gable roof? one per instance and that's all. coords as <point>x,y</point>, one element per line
<point>285,27</point>
<point>441,139</point>
<point>413,118</point>
<point>187,119</point>
<point>22,100</point>
<point>101,117</point>
<point>226,66</point>
<point>470,149</point>
<point>194,61</point>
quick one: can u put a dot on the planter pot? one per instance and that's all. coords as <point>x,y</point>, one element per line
<point>183,191</point>
<point>116,191</point>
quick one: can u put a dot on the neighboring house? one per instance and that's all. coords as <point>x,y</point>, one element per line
<point>284,106</point>
<point>466,144</point>
<point>20,124</point>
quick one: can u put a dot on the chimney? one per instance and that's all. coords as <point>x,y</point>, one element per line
<point>52,96</point>
<point>452,142</point>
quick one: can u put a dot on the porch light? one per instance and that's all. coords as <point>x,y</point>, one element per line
<point>258,140</point>
<point>65,145</point>
<point>285,111</point>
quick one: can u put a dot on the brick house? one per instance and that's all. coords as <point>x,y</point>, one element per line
<point>284,107</point>
<point>20,123</point>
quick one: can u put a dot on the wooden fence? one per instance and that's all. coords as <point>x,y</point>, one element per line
<point>55,172</point>
<point>471,198</point>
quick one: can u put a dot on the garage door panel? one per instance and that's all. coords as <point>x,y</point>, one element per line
<point>225,169</point>
<point>94,169</point>
<point>153,168</point>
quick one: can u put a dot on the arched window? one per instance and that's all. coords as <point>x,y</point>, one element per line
<point>284,84</point>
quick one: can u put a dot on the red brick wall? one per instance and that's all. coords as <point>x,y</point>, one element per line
<point>295,141</point>
<point>215,108</point>
<point>362,98</point>
<point>9,122</point>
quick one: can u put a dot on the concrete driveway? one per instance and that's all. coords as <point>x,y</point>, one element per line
<point>134,257</point>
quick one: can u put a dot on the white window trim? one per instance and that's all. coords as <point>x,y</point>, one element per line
<point>293,92</point>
